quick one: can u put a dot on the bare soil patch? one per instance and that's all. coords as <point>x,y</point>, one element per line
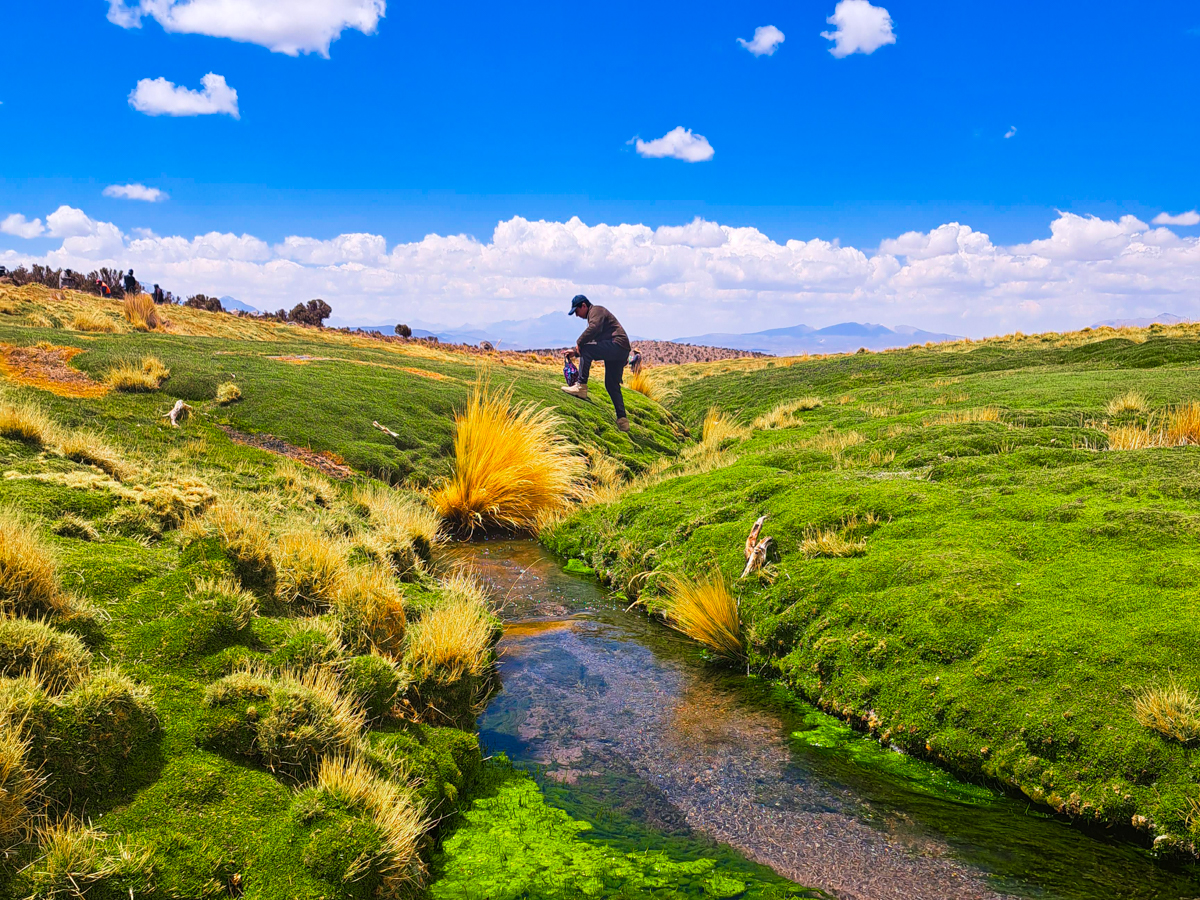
<point>47,368</point>
<point>328,463</point>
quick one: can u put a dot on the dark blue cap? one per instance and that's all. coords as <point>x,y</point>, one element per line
<point>577,301</point>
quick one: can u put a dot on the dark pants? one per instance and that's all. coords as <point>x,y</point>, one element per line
<point>614,356</point>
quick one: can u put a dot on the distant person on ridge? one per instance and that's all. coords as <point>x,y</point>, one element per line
<point>604,339</point>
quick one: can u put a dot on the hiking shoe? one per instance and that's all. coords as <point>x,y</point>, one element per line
<point>622,424</point>
<point>576,390</point>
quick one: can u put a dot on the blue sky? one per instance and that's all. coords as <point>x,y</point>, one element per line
<point>448,119</point>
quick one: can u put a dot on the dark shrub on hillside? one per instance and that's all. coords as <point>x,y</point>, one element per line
<point>200,301</point>
<point>315,312</point>
<point>403,331</point>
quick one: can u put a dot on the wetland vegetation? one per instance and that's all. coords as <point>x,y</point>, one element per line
<point>241,657</point>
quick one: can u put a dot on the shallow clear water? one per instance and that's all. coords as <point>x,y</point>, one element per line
<point>627,727</point>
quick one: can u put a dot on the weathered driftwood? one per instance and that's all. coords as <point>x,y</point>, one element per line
<point>756,550</point>
<point>385,430</point>
<point>178,413</point>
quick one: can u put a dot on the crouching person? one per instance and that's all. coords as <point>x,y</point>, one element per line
<point>606,340</point>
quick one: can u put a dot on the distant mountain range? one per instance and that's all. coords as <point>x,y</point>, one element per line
<point>231,304</point>
<point>845,337</point>
<point>1160,319</point>
<point>559,330</point>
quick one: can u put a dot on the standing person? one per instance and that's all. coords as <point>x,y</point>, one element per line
<point>131,284</point>
<point>603,339</point>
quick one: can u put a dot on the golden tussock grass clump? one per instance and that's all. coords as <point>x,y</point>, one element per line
<point>26,422</point>
<point>707,612</point>
<point>137,377</point>
<point>37,320</point>
<point>242,534</point>
<point>57,660</point>
<point>228,392</point>
<point>1182,425</point>
<point>29,584</point>
<point>305,484</point>
<point>606,478</point>
<point>402,523</point>
<point>1128,402</point>
<point>91,320</point>
<point>784,415</point>
<point>838,542</point>
<point>227,595</point>
<point>832,442</point>
<point>881,411</point>
<point>89,448</point>
<point>946,399</point>
<point>719,428</point>
<point>369,610</point>
<point>75,858</point>
<point>141,313</point>
<point>352,785</point>
<point>310,568</point>
<point>20,790</point>
<point>967,416</point>
<point>1133,437</point>
<point>455,638</point>
<point>510,465</point>
<point>646,384</point>
<point>1172,711</point>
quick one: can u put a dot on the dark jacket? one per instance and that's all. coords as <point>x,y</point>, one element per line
<point>602,326</point>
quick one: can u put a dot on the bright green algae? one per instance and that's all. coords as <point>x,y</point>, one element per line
<point>514,844</point>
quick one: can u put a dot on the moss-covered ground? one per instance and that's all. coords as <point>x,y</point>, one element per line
<point>1015,587</point>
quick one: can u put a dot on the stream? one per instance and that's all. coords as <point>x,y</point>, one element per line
<point>627,727</point>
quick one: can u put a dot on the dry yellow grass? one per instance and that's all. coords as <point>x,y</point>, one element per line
<point>76,857</point>
<point>139,310</point>
<point>91,320</point>
<point>1129,402</point>
<point>451,640</point>
<point>20,421</point>
<point>304,484</point>
<point>510,465</point>
<point>227,594</point>
<point>645,383</point>
<point>1182,425</point>
<point>311,569</point>
<point>89,448</point>
<point>945,399</point>
<point>228,392</point>
<point>707,612</point>
<point>1172,710</point>
<point>57,660</point>
<point>242,534</point>
<point>134,376</point>
<point>354,786</point>
<point>1133,437</point>
<point>29,584</point>
<point>833,542</point>
<point>880,411</point>
<point>966,416</point>
<point>19,788</point>
<point>784,415</point>
<point>832,442</point>
<point>369,610</point>
<point>402,524</point>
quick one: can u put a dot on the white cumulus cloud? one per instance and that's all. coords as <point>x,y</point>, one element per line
<point>1012,132</point>
<point>283,26</point>
<point>678,143</point>
<point>859,27</point>
<point>135,192</point>
<point>766,40</point>
<point>1187,218</point>
<point>159,97</point>
<point>672,280</point>
<point>18,226</point>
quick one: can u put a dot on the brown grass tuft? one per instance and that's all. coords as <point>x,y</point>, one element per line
<point>243,536</point>
<point>228,392</point>
<point>91,320</point>
<point>784,415</point>
<point>707,612</point>
<point>404,529</point>
<point>511,465</point>
<point>141,313</point>
<point>352,785</point>
<point>57,660</point>
<point>28,576</point>
<point>19,790</point>
<point>77,857</point>
<point>1172,711</point>
<point>836,542</point>
<point>138,377</point>
<point>26,422</point>
<point>1182,425</point>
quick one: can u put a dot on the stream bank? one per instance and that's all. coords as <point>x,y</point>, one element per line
<point>623,726</point>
